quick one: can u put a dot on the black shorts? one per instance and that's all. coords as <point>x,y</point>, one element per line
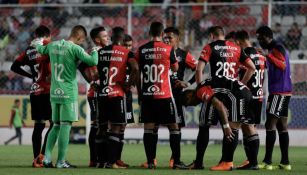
<point>92,101</point>
<point>112,110</point>
<point>159,111</point>
<point>129,103</point>
<point>180,110</point>
<point>40,107</point>
<point>256,110</point>
<point>278,105</point>
<point>237,105</point>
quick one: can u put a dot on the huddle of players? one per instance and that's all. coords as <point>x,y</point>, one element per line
<point>226,98</point>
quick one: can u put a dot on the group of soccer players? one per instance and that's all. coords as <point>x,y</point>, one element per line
<point>232,95</point>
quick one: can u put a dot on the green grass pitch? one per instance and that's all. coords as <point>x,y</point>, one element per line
<point>18,159</point>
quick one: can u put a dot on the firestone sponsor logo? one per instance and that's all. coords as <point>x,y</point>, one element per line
<point>156,49</point>
<point>225,47</point>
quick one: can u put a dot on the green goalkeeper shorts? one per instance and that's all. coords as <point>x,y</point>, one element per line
<point>64,112</point>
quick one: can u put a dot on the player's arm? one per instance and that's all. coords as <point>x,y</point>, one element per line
<point>202,61</point>
<point>134,74</point>
<point>277,58</point>
<point>91,60</point>
<point>18,63</point>
<point>190,61</point>
<point>219,106</point>
<point>199,71</point>
<point>249,65</point>
<point>250,70</point>
<point>42,49</point>
<point>173,61</point>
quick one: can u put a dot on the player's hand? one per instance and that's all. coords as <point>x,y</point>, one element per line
<point>228,134</point>
<point>95,48</point>
<point>181,84</point>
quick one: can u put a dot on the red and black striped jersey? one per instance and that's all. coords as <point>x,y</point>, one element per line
<point>255,84</point>
<point>155,59</point>
<point>224,57</point>
<point>112,66</point>
<point>40,67</point>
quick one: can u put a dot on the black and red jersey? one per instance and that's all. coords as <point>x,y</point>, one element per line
<point>224,57</point>
<point>155,59</point>
<point>40,67</point>
<point>255,84</point>
<point>112,66</point>
<point>185,61</point>
<point>231,87</point>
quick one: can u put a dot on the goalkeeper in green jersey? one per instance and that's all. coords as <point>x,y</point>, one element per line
<point>64,57</point>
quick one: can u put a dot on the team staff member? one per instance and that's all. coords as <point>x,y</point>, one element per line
<point>280,91</point>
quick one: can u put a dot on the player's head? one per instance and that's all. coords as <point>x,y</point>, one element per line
<point>43,32</point>
<point>17,102</point>
<point>171,36</point>
<point>241,37</point>
<point>189,98</point>
<point>230,36</point>
<point>118,35</point>
<point>128,42</point>
<point>264,36</point>
<point>78,34</point>
<point>216,32</point>
<point>156,29</point>
<point>99,36</point>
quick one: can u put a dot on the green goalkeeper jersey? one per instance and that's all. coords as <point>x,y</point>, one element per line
<point>64,58</point>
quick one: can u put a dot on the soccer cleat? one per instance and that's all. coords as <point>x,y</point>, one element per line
<point>195,166</point>
<point>180,166</point>
<point>64,164</point>
<point>171,163</point>
<point>114,166</point>
<point>223,166</point>
<point>35,164</point>
<point>243,164</point>
<point>151,166</point>
<point>101,165</point>
<point>265,166</point>
<point>47,164</point>
<point>122,163</point>
<point>285,167</point>
<point>248,167</point>
<point>145,164</point>
<point>92,164</point>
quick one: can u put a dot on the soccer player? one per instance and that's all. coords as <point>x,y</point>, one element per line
<point>112,69</point>
<point>100,38</point>
<point>155,58</point>
<point>185,61</point>
<point>16,121</point>
<point>240,98</point>
<point>224,58</point>
<point>64,56</point>
<point>255,84</point>
<point>40,90</point>
<point>280,90</point>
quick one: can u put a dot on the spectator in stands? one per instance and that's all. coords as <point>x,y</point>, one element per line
<point>205,24</point>
<point>293,37</point>
<point>23,37</point>
<point>277,33</point>
<point>3,80</point>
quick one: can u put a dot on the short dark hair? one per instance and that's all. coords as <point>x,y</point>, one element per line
<point>95,31</point>
<point>128,38</point>
<point>118,33</point>
<point>156,29</point>
<point>77,29</point>
<point>16,100</point>
<point>42,31</point>
<point>230,35</point>
<point>241,35</point>
<point>172,30</point>
<point>265,31</point>
<point>216,30</point>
